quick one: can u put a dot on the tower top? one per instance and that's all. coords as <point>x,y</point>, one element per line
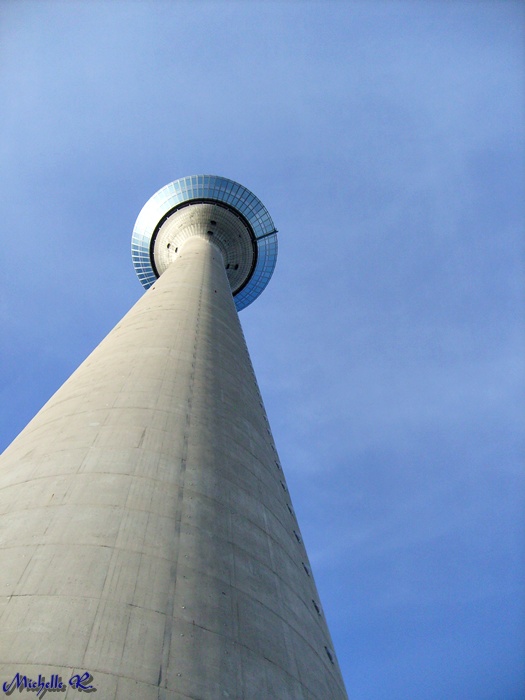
<point>211,207</point>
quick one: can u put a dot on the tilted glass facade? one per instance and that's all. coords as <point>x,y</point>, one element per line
<point>210,187</point>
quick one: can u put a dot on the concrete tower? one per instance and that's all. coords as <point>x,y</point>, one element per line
<point>147,536</point>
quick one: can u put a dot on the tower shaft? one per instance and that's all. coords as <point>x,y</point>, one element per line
<point>147,534</point>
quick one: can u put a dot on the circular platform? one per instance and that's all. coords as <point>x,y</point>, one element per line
<point>214,207</point>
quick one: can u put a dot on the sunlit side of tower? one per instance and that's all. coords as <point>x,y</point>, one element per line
<point>147,535</point>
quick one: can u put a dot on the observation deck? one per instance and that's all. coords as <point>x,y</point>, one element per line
<point>211,207</point>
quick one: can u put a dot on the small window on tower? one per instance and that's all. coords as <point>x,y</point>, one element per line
<point>328,653</point>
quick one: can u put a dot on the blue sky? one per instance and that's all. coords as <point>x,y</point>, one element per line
<point>386,139</point>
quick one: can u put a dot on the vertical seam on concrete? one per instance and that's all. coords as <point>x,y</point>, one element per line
<point>168,621</point>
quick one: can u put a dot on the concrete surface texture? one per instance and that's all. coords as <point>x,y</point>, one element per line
<point>146,531</point>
